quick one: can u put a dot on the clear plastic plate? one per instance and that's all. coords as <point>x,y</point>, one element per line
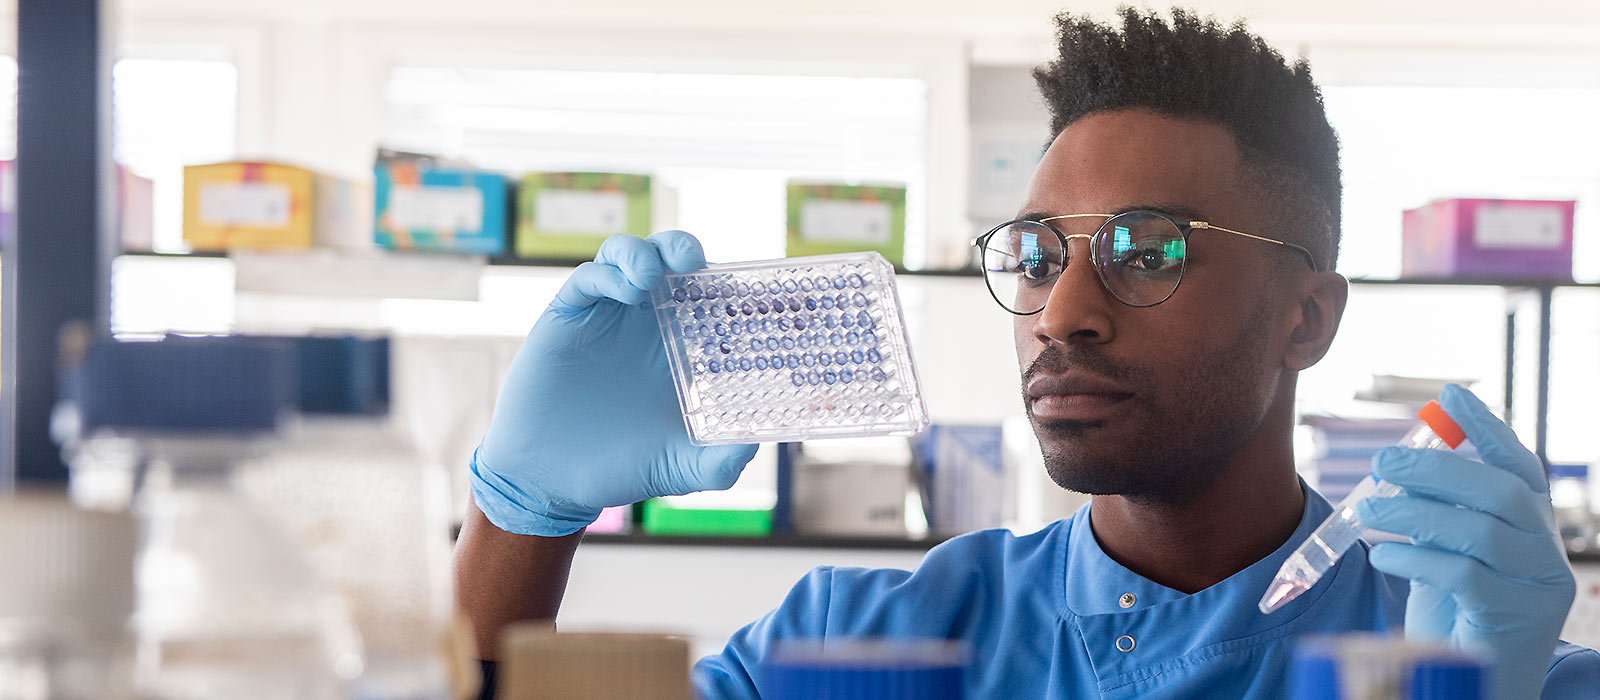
<point>791,349</point>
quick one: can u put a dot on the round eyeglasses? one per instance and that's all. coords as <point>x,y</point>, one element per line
<point>1139,256</point>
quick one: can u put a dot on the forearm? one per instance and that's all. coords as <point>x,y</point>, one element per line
<point>503,578</point>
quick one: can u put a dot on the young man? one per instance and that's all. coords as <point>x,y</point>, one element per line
<point>1171,404</point>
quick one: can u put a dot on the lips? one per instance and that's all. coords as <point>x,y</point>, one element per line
<point>1074,396</point>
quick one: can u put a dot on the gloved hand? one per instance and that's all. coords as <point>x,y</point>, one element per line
<point>1487,576</point>
<point>588,416</point>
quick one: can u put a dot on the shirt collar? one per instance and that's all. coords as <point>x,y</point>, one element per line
<point>1095,584</point>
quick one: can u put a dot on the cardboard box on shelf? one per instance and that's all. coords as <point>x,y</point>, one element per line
<point>1489,238</point>
<point>265,206</point>
<point>961,472</point>
<point>855,498</point>
<point>424,205</point>
<point>826,218</point>
<point>568,215</point>
<point>344,215</point>
<point>136,210</point>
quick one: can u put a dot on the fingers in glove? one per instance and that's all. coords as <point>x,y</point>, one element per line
<point>680,251</point>
<point>721,465</point>
<point>1475,587</point>
<point>1456,480</point>
<point>1509,550</point>
<point>593,282</point>
<point>1495,440</point>
<point>638,259</point>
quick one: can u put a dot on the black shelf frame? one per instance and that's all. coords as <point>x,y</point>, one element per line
<point>58,265</point>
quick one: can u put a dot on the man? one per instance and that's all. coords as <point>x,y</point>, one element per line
<point>1171,404</point>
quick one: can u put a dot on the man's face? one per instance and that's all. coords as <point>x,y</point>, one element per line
<point>1148,402</point>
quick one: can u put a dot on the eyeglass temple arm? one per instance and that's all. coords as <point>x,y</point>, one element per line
<point>1299,249</point>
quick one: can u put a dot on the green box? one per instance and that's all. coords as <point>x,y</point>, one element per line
<point>568,215</point>
<point>663,519</point>
<point>825,219</point>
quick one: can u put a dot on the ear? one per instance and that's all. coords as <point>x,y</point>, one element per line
<point>1322,298</point>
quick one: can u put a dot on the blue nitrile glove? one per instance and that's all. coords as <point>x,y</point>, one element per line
<point>1489,575</point>
<point>587,417</point>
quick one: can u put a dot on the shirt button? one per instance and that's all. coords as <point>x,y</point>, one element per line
<point>1125,644</point>
<point>1127,600</point>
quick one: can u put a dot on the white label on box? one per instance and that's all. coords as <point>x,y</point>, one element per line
<point>244,204</point>
<point>581,211</point>
<point>1519,226</point>
<point>844,221</point>
<point>435,208</point>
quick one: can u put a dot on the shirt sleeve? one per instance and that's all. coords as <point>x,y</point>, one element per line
<point>803,614</point>
<point>829,602</point>
<point>1574,674</point>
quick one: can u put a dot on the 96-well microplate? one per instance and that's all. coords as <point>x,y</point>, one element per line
<point>788,350</point>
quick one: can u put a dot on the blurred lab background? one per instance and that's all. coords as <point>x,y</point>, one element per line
<point>429,171</point>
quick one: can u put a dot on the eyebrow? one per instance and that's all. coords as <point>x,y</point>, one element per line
<point>1175,210</point>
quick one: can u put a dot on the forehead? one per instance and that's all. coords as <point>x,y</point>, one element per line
<point>1110,161</point>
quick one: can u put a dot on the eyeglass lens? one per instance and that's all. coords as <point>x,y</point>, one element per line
<point>1138,256</point>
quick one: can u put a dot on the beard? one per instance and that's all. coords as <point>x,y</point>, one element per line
<point>1172,441</point>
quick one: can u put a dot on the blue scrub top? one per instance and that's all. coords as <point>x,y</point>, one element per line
<point>1044,615</point>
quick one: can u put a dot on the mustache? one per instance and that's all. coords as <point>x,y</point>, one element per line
<point>1054,360</point>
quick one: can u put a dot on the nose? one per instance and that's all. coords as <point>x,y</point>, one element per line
<point>1079,307</point>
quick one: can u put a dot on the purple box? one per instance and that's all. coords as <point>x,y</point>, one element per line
<point>8,201</point>
<point>1489,238</point>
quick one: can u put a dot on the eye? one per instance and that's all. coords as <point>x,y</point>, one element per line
<point>1031,255</point>
<point>1151,255</point>
<point>1037,266</point>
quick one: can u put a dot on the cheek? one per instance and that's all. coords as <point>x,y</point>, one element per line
<point>1028,345</point>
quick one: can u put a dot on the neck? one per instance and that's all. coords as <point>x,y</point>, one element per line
<point>1245,514</point>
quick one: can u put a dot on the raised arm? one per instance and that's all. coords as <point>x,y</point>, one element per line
<point>587,418</point>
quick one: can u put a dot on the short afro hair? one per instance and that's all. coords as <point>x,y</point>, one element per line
<point>1195,68</point>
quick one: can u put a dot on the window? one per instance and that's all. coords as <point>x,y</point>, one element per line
<point>1403,146</point>
<point>168,114</point>
<point>723,145</point>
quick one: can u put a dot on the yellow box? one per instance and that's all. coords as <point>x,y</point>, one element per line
<point>264,206</point>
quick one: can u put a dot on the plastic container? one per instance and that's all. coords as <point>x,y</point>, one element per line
<point>1569,495</point>
<point>1306,565</point>
<point>790,350</point>
<point>866,669</point>
<point>1369,667</point>
<point>66,591</point>
<point>371,517</point>
<point>227,604</point>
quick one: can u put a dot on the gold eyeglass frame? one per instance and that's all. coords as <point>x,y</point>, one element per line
<point>1184,229</point>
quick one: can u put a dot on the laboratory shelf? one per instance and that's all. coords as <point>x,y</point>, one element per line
<point>774,541</point>
<point>1540,319</point>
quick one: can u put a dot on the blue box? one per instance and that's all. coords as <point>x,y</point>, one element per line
<point>427,207</point>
